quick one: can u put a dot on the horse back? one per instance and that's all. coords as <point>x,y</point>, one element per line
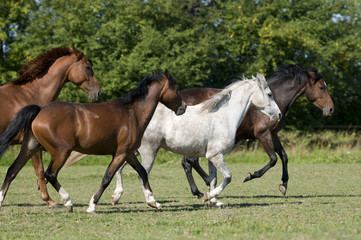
<point>87,128</point>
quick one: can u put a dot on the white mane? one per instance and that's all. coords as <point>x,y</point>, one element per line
<point>218,98</point>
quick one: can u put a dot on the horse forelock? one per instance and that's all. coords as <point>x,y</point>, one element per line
<point>34,68</point>
<point>141,90</point>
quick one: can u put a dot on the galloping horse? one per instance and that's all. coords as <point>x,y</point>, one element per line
<point>287,84</point>
<point>207,129</point>
<point>39,82</point>
<point>110,128</point>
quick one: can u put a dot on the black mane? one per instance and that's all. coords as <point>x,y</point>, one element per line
<point>142,89</point>
<point>293,72</point>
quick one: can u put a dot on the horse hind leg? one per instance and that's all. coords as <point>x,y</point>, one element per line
<point>187,167</point>
<point>51,175</point>
<point>39,171</point>
<point>28,148</point>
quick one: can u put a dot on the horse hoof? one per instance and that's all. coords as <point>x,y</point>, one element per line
<point>205,197</point>
<point>200,195</point>
<point>115,200</point>
<point>69,208</point>
<point>154,204</point>
<point>217,204</point>
<point>247,177</point>
<point>90,211</point>
<point>53,205</point>
<point>283,189</point>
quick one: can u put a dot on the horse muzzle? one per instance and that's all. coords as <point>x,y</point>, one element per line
<point>327,112</point>
<point>94,95</point>
<point>182,109</point>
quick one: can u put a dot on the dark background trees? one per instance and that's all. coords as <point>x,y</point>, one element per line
<point>202,43</point>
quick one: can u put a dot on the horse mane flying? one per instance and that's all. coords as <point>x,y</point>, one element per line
<point>210,104</point>
<point>141,90</point>
<point>34,68</point>
<point>293,72</point>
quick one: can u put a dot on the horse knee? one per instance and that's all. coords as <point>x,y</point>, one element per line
<point>228,179</point>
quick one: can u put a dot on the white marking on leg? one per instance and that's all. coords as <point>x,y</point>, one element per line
<point>92,205</point>
<point>150,198</point>
<point>66,198</point>
<point>218,162</point>
<point>1,198</point>
<point>118,188</point>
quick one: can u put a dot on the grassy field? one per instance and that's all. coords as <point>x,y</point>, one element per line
<point>323,202</point>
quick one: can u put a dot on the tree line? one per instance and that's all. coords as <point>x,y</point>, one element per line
<point>202,43</point>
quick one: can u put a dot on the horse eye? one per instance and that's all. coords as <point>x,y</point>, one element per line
<point>322,87</point>
<point>270,94</point>
<point>88,67</point>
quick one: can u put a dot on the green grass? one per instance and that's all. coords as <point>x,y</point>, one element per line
<point>323,202</point>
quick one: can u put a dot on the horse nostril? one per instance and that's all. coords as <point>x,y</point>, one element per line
<point>331,110</point>
<point>280,115</point>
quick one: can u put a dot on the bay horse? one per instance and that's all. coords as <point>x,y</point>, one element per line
<point>39,82</point>
<point>207,129</point>
<point>110,128</point>
<point>287,84</point>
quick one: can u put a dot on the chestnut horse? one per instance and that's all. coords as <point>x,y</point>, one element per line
<point>39,82</point>
<point>287,84</point>
<point>110,128</point>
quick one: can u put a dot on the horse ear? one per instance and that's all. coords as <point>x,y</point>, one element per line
<point>261,80</point>
<point>167,74</point>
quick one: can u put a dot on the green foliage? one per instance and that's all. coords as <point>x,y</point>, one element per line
<point>202,43</point>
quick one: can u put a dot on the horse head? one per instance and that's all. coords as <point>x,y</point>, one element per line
<point>317,93</point>
<point>81,73</point>
<point>170,96</point>
<point>263,99</point>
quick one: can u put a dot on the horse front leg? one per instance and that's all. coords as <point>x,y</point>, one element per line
<point>119,185</point>
<point>143,176</point>
<point>114,165</point>
<point>267,143</point>
<point>218,162</point>
<point>214,202</point>
<point>39,171</point>
<point>283,155</point>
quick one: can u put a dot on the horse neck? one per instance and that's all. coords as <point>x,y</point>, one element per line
<point>145,108</point>
<point>234,110</point>
<point>47,88</point>
<point>286,94</point>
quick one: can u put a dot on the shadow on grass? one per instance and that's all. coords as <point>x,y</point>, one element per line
<point>293,196</point>
<point>174,206</point>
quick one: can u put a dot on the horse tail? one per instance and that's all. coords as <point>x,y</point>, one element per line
<point>21,122</point>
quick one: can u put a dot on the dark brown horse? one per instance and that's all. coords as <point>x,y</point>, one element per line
<point>110,128</point>
<point>287,84</point>
<point>39,82</point>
